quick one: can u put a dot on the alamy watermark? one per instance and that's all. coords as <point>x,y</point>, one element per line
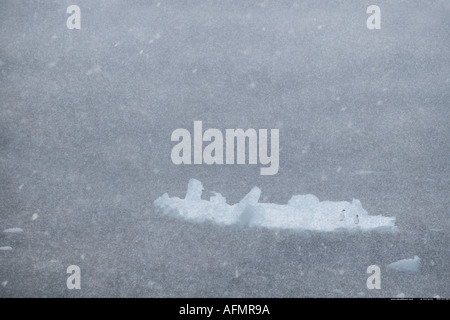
<point>373,22</point>
<point>374,280</point>
<point>74,280</point>
<point>74,20</point>
<point>236,141</point>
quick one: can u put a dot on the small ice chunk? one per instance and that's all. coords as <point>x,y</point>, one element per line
<point>5,248</point>
<point>4,283</point>
<point>400,295</point>
<point>406,265</point>
<point>13,230</point>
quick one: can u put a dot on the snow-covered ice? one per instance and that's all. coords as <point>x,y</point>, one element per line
<point>13,230</point>
<point>302,212</point>
<point>406,265</point>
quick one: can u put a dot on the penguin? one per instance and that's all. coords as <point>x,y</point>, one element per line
<point>356,219</point>
<point>342,215</point>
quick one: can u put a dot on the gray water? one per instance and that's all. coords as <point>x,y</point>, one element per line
<point>86,118</point>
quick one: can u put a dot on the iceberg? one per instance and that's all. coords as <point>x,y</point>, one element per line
<point>406,265</point>
<point>302,212</point>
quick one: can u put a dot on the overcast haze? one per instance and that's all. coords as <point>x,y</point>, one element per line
<point>86,118</point>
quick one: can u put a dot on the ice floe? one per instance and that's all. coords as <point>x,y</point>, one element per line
<point>302,212</point>
<point>13,230</point>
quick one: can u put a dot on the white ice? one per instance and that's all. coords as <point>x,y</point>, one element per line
<point>5,248</point>
<point>406,265</point>
<point>302,212</point>
<point>13,230</point>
